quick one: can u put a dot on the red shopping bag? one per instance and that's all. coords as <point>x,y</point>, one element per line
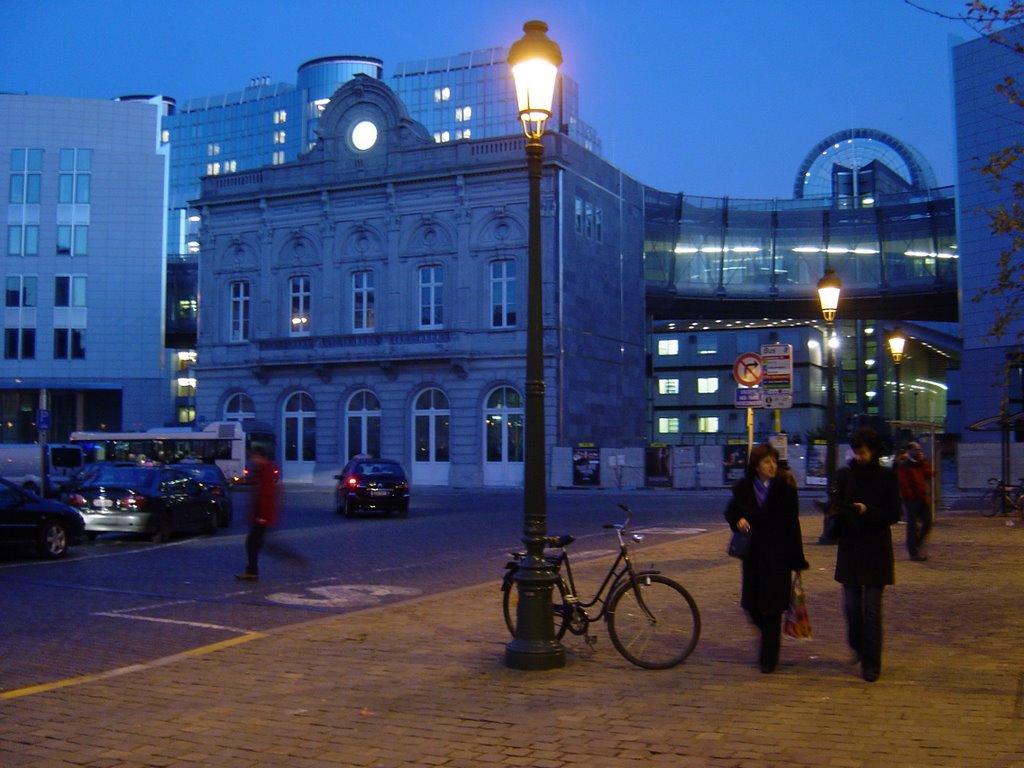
<point>797,623</point>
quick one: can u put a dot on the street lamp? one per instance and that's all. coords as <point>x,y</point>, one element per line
<point>534,60</point>
<point>829,288</point>
<point>897,341</point>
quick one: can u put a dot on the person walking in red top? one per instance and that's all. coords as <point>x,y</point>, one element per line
<point>915,474</point>
<point>263,514</point>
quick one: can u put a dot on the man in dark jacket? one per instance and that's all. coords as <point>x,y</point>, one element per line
<point>868,499</point>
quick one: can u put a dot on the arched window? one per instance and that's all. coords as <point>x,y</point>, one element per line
<point>362,416</point>
<point>503,426</point>
<point>239,407</point>
<point>431,417</point>
<point>299,428</point>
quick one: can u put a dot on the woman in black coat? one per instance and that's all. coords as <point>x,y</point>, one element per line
<point>765,503</point>
<point>868,504</point>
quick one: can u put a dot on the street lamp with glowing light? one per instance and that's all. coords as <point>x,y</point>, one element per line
<point>829,288</point>
<point>534,60</point>
<point>897,342</point>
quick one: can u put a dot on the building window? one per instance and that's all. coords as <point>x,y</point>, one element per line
<point>431,296</point>
<point>279,137</point>
<point>579,216</point>
<point>503,426</point>
<point>503,294</point>
<point>21,291</point>
<point>213,169</point>
<point>462,114</point>
<point>20,343</point>
<point>442,94</point>
<point>707,424</point>
<point>241,309</point>
<point>74,184</point>
<point>300,428</point>
<point>668,347</point>
<point>707,385</point>
<point>707,345</point>
<point>69,291</point>
<point>588,221</point>
<point>72,240</point>
<point>431,423</point>
<point>277,158</point>
<point>298,318</point>
<point>668,425</point>
<point>23,240</point>
<point>363,423</point>
<point>668,386</point>
<point>363,318</point>
<point>26,179</point>
<point>598,225</point>
<point>68,343</point>
<point>280,116</point>
<point>239,407</point>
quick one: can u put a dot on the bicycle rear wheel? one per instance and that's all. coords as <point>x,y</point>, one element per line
<point>989,503</point>
<point>510,604</point>
<point>653,621</point>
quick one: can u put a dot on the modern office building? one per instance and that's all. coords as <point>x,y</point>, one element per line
<point>83,265</point>
<point>369,297</point>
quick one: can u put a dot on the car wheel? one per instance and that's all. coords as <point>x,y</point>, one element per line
<point>53,541</point>
<point>345,510</point>
<point>164,529</point>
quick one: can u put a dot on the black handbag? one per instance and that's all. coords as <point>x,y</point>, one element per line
<point>739,545</point>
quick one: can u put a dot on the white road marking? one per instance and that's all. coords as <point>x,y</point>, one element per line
<point>343,595</point>
<point>196,624</point>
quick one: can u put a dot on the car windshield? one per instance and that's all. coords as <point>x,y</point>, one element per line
<point>122,477</point>
<point>204,472</point>
<point>380,470</point>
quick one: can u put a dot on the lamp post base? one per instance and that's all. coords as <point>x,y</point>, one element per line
<point>538,656</point>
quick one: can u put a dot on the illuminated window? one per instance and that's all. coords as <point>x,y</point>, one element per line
<point>277,158</point>
<point>213,169</point>
<point>212,150</point>
<point>707,345</point>
<point>707,386</point>
<point>165,136</point>
<point>298,321</point>
<point>462,114</point>
<point>707,424</point>
<point>230,166</point>
<point>280,116</point>
<point>668,386</point>
<point>279,137</point>
<point>442,94</point>
<point>668,425</point>
<point>668,346</point>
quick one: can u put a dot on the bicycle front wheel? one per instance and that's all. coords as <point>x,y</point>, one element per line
<point>510,605</point>
<point>653,621</point>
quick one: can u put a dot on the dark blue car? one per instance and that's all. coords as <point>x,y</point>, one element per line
<point>47,525</point>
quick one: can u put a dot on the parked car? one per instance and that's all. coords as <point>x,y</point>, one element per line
<point>86,473</point>
<point>48,525</point>
<point>153,501</point>
<point>214,482</point>
<point>373,485</point>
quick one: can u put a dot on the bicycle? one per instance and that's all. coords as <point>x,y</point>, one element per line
<point>1003,498</point>
<point>652,620</point>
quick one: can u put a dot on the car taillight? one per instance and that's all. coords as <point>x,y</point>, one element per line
<point>133,501</point>
<point>76,500</point>
<point>353,482</point>
<point>217,490</point>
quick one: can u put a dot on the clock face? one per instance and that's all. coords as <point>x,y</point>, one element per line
<point>364,135</point>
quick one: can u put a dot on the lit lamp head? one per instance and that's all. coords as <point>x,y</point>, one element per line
<point>534,60</point>
<point>897,341</point>
<point>828,294</point>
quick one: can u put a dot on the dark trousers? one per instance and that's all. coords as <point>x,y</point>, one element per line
<point>863,609</point>
<point>253,544</point>
<point>770,625</point>
<point>919,524</point>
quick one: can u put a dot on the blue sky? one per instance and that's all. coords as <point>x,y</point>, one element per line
<point>699,96</point>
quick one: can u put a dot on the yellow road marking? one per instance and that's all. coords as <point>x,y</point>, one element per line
<point>83,679</point>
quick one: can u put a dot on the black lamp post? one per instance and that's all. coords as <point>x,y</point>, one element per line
<point>897,341</point>
<point>829,288</point>
<point>534,60</point>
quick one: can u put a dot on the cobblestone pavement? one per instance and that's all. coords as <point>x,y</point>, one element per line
<point>423,683</point>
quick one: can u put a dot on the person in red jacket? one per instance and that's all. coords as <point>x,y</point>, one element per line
<point>915,474</point>
<point>263,514</point>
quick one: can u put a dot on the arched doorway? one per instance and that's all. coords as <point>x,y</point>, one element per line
<point>503,437</point>
<point>362,423</point>
<point>299,449</point>
<point>431,447</point>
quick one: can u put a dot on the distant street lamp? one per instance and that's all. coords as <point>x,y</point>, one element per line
<point>897,341</point>
<point>534,60</point>
<point>829,288</point>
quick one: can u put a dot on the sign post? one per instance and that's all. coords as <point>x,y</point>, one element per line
<point>748,372</point>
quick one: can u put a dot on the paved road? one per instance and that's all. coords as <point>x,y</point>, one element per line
<point>423,683</point>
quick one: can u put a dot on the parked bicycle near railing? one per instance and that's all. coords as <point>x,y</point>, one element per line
<point>652,620</point>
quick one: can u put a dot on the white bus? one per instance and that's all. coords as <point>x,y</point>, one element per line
<point>224,443</point>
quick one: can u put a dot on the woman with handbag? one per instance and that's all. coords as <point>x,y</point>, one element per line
<point>765,505</point>
<point>868,505</point>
